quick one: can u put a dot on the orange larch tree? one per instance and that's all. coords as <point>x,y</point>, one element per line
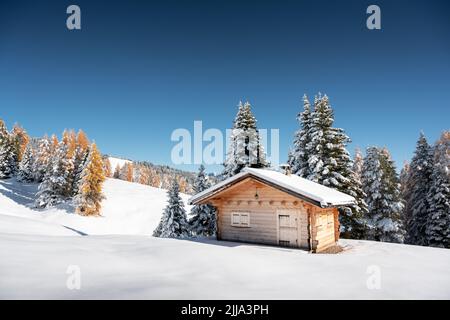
<point>89,197</point>
<point>21,140</point>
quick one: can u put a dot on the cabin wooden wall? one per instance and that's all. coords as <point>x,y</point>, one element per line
<point>312,228</point>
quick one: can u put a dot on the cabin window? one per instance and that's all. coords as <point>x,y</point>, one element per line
<point>240,219</point>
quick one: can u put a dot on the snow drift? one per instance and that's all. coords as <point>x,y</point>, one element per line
<point>118,259</point>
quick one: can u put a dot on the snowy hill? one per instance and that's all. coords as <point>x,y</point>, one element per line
<point>117,162</point>
<point>129,208</point>
<point>119,259</point>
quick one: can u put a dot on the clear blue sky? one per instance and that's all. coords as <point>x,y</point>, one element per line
<point>138,70</point>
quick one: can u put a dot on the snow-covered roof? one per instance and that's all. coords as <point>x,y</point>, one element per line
<point>317,193</point>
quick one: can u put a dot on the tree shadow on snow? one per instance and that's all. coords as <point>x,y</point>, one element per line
<point>24,194</point>
<point>21,193</point>
<point>76,231</point>
<point>233,244</point>
<point>213,241</point>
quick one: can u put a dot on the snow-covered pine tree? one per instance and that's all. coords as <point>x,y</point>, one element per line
<point>173,222</point>
<point>26,165</point>
<point>330,164</point>
<point>136,174</point>
<point>89,197</point>
<point>203,216</point>
<point>393,188</point>
<point>43,159</point>
<point>245,148</point>
<point>53,189</point>
<point>381,185</point>
<point>68,140</point>
<point>290,157</point>
<point>80,160</point>
<point>418,183</point>
<point>404,173</point>
<point>7,155</point>
<point>438,224</point>
<point>321,135</point>
<point>358,164</point>
<point>302,139</point>
<point>116,174</point>
<point>126,172</point>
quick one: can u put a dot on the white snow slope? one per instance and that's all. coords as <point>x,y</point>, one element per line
<point>117,161</point>
<point>118,259</point>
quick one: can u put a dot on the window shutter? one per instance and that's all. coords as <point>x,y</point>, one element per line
<point>240,219</point>
<point>235,220</point>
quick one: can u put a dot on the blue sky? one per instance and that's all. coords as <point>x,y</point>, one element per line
<point>138,70</point>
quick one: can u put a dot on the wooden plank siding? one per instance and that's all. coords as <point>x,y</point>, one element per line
<point>325,230</point>
<point>317,227</point>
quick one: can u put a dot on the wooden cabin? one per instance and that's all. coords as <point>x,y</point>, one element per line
<point>269,207</point>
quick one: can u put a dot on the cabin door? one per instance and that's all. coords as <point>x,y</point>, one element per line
<point>287,228</point>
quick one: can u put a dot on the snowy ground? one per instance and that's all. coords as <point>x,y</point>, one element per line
<point>117,162</point>
<point>129,208</point>
<point>118,259</point>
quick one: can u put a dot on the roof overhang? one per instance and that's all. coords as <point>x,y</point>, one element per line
<point>208,194</point>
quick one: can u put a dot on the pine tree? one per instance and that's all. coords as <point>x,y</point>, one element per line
<point>329,163</point>
<point>80,146</point>
<point>415,194</point>
<point>358,164</point>
<point>438,224</point>
<point>80,160</point>
<point>203,216</point>
<point>382,187</point>
<point>53,189</point>
<point>322,136</point>
<point>89,197</point>
<point>404,173</point>
<point>43,159</point>
<point>25,172</point>
<point>302,139</point>
<point>116,174</point>
<point>7,154</point>
<point>70,143</point>
<point>173,222</point>
<point>245,148</point>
